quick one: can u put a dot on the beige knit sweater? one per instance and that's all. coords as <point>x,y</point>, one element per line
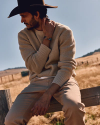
<point>58,60</point>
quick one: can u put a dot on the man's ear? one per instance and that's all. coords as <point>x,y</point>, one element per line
<point>37,16</point>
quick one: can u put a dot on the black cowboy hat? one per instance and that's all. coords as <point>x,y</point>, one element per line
<point>24,5</point>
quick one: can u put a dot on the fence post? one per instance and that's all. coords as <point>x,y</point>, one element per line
<point>5,104</point>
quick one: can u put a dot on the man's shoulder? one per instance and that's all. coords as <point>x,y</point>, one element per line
<point>23,31</point>
<point>62,26</point>
<point>62,29</point>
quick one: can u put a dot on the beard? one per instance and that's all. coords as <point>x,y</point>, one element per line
<point>32,24</point>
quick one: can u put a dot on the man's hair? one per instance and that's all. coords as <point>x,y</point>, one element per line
<point>41,10</point>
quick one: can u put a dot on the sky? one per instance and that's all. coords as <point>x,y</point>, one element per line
<point>82,16</point>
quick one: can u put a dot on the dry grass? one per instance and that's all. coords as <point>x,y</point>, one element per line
<point>95,58</point>
<point>15,86</point>
<point>87,76</point>
<point>48,119</point>
<point>92,116</point>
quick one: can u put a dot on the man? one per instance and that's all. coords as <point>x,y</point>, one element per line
<point>48,49</point>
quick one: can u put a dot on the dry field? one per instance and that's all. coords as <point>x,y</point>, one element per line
<point>88,75</point>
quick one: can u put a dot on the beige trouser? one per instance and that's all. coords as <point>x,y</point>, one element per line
<point>68,95</point>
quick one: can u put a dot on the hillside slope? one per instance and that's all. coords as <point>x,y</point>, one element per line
<point>93,59</point>
<point>91,53</point>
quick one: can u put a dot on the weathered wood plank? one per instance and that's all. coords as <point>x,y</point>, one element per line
<point>5,104</point>
<point>55,106</point>
<point>90,97</point>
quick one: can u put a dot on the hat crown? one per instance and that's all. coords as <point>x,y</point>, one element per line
<point>30,2</point>
<point>25,5</point>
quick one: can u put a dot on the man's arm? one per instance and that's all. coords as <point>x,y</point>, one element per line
<point>42,105</point>
<point>34,60</point>
<point>66,65</point>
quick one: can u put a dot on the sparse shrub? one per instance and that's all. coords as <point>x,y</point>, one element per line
<point>85,120</point>
<point>25,73</point>
<point>93,117</point>
<point>48,115</point>
<point>59,123</point>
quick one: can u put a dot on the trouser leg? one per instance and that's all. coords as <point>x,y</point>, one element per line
<point>69,96</point>
<point>20,112</point>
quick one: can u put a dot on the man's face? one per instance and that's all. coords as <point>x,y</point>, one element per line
<point>28,19</point>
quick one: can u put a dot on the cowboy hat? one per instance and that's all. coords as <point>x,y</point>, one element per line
<point>24,5</point>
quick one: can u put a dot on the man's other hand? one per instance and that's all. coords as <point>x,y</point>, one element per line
<point>48,27</point>
<point>42,105</point>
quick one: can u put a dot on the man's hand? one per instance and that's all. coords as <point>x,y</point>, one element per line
<point>48,27</point>
<point>42,105</point>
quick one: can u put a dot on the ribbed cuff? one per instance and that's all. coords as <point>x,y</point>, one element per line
<point>61,78</point>
<point>40,58</point>
<point>44,50</point>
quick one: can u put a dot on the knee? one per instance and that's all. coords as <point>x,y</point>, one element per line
<point>13,119</point>
<point>73,106</point>
<point>8,121</point>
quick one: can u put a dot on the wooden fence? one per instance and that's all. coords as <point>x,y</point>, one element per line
<point>9,78</point>
<point>90,97</point>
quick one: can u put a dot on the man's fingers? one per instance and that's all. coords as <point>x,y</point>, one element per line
<point>42,111</point>
<point>53,23</point>
<point>46,108</point>
<point>47,19</point>
<point>34,110</point>
<point>39,111</point>
<point>45,111</point>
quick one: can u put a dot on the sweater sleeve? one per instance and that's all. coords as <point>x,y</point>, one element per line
<point>34,60</point>
<point>66,63</point>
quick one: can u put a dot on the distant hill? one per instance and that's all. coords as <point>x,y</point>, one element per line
<point>91,53</point>
<point>16,68</point>
<point>93,56</point>
<point>11,71</point>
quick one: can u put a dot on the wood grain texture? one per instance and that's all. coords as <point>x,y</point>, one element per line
<point>5,104</point>
<point>90,97</point>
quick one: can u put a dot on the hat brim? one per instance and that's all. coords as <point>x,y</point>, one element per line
<point>46,5</point>
<point>16,10</point>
